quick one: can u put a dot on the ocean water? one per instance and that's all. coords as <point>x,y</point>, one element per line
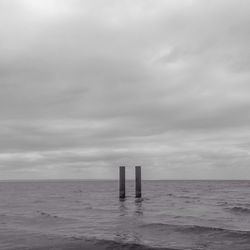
<point>171,214</point>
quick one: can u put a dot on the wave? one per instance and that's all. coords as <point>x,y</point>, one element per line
<point>112,244</point>
<point>192,229</point>
<point>39,241</point>
<point>239,210</point>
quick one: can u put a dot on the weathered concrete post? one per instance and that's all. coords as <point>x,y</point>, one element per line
<point>138,182</point>
<point>122,182</point>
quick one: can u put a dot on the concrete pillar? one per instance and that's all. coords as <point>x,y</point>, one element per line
<point>122,182</point>
<point>138,182</point>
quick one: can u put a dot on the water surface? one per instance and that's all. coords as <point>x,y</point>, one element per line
<point>177,214</point>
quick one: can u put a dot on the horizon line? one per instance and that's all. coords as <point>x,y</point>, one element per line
<point>129,179</point>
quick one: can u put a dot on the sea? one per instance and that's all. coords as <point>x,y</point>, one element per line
<point>175,214</point>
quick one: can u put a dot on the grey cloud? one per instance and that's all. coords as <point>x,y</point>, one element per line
<point>78,75</point>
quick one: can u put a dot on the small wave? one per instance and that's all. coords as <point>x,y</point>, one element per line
<point>77,191</point>
<point>38,201</point>
<point>189,197</point>
<point>88,207</point>
<point>239,210</point>
<point>222,203</point>
<point>43,214</point>
<point>192,229</point>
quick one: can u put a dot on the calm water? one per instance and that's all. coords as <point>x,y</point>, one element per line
<point>178,214</point>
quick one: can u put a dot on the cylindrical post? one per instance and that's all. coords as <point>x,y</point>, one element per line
<point>122,182</point>
<point>138,182</point>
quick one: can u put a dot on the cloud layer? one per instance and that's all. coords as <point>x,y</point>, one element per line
<point>87,86</point>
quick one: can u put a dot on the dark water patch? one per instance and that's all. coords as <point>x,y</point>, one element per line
<point>171,195</point>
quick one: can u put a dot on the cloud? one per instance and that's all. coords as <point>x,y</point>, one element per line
<point>87,85</point>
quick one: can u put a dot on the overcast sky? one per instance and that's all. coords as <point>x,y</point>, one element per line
<point>88,85</point>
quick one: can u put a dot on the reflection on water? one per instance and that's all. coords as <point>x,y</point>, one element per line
<point>123,209</point>
<point>128,220</point>
<point>138,207</point>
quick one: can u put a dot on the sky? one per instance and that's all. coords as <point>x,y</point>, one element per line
<point>87,86</point>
